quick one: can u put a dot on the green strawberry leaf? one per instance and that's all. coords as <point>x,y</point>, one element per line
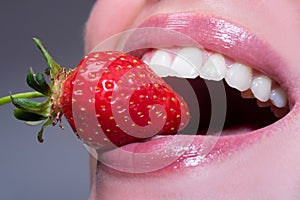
<point>30,106</point>
<point>54,67</point>
<point>23,115</point>
<point>36,123</point>
<point>38,82</point>
<point>40,133</point>
<point>47,71</point>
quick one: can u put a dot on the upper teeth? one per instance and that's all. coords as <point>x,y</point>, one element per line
<point>190,62</point>
<point>239,76</point>
<point>187,62</point>
<point>214,68</point>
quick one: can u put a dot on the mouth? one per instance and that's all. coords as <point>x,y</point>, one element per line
<point>216,54</point>
<point>253,99</point>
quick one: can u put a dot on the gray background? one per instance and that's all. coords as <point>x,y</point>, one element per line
<point>57,169</point>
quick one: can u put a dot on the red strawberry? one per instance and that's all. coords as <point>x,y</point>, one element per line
<point>111,97</point>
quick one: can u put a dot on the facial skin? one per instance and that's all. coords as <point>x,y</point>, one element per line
<point>268,170</point>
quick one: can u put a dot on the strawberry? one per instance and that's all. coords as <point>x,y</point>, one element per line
<point>109,98</point>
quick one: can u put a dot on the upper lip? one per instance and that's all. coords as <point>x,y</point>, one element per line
<point>215,34</point>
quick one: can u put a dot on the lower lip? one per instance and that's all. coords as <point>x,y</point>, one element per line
<point>178,152</point>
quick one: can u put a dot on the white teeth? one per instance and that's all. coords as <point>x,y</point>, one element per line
<point>190,62</point>
<point>239,76</point>
<point>160,63</point>
<point>278,97</point>
<point>214,68</point>
<point>261,87</point>
<point>187,62</point>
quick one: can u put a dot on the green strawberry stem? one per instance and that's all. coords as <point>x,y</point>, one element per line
<point>27,95</point>
<point>47,112</point>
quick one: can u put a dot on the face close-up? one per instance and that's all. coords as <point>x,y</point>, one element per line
<point>237,63</point>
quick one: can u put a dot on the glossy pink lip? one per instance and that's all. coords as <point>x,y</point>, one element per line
<point>171,153</point>
<point>180,152</point>
<point>211,33</point>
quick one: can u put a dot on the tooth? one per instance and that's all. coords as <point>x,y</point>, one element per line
<point>160,63</point>
<point>239,76</point>
<point>214,68</point>
<point>279,112</point>
<point>278,97</point>
<point>261,87</point>
<point>247,94</point>
<point>263,104</point>
<point>146,61</point>
<point>146,58</point>
<point>187,62</point>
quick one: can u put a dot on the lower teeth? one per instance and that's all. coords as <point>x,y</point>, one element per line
<point>240,113</point>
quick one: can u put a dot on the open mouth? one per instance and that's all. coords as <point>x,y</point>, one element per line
<point>253,99</point>
<point>230,56</point>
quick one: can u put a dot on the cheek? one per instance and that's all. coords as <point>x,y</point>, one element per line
<point>109,17</point>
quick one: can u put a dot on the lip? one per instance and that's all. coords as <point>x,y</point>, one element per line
<point>181,152</point>
<point>173,153</point>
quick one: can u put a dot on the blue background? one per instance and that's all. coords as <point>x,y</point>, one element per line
<point>57,169</point>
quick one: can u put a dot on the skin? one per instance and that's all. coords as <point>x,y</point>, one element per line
<point>271,170</point>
